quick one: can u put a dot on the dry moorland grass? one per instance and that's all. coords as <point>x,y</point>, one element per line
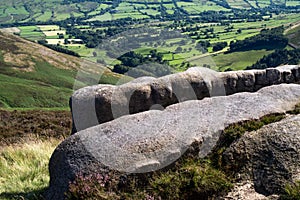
<point>19,127</point>
<point>27,140</point>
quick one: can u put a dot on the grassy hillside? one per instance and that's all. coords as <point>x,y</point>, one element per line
<point>34,76</point>
<point>238,60</point>
<point>293,33</point>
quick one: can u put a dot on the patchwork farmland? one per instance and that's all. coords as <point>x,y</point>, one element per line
<point>197,20</point>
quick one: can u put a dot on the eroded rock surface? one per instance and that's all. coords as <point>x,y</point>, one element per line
<point>245,191</point>
<point>270,157</point>
<point>153,139</point>
<point>102,103</point>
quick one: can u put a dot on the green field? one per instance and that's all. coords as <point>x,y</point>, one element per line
<point>238,60</point>
<point>57,10</point>
<point>248,29</point>
<point>47,86</point>
<point>214,32</point>
<point>200,6</point>
<point>232,61</point>
<point>31,32</point>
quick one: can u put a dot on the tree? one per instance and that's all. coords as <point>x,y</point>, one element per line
<point>121,69</point>
<point>178,49</point>
<point>219,46</point>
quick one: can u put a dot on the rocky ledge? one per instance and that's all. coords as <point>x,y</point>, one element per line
<point>152,140</point>
<point>102,103</point>
<point>268,157</point>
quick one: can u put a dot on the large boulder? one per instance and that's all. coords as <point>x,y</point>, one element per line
<point>152,140</point>
<point>97,104</point>
<point>270,157</point>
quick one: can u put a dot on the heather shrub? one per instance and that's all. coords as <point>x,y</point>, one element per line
<point>192,180</point>
<point>94,186</point>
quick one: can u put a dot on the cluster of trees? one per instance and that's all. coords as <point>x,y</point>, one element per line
<point>219,46</point>
<point>222,3</point>
<point>93,38</point>
<point>58,48</point>
<point>151,65</point>
<point>279,57</point>
<point>268,38</point>
<point>203,45</point>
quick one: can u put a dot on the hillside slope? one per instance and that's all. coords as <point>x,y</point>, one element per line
<point>34,76</point>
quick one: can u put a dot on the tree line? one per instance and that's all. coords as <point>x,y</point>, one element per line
<point>58,48</point>
<point>267,38</point>
<point>277,58</point>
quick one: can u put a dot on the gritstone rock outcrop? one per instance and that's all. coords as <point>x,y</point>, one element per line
<point>270,157</point>
<point>153,139</point>
<point>102,103</point>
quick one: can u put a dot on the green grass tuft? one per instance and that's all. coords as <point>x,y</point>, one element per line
<point>195,179</point>
<point>24,169</point>
<point>292,192</point>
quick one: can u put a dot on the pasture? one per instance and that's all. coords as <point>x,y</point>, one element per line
<point>147,10</point>
<point>48,27</point>
<point>238,60</point>
<point>57,10</point>
<point>31,33</point>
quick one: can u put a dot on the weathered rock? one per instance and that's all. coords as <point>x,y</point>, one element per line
<point>270,157</point>
<point>102,103</point>
<point>245,191</point>
<point>153,139</point>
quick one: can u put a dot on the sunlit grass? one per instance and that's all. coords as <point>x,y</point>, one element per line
<point>24,169</point>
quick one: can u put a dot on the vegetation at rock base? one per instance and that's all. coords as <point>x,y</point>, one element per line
<point>188,177</point>
<point>93,186</point>
<point>292,192</point>
<point>295,111</point>
<point>192,179</point>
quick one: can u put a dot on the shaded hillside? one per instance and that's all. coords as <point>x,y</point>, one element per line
<point>293,34</point>
<point>34,76</point>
